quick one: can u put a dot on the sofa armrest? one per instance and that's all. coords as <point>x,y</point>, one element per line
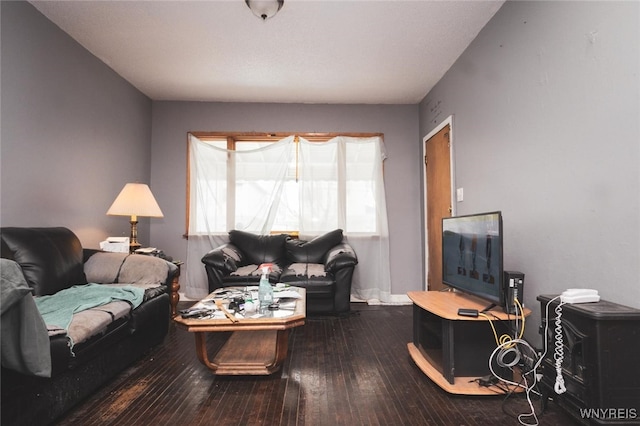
<point>341,261</point>
<point>339,257</point>
<point>225,258</point>
<point>87,253</point>
<point>220,262</point>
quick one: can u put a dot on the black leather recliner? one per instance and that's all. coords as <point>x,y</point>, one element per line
<point>323,266</point>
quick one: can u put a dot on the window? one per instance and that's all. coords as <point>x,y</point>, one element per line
<point>253,181</point>
<point>277,183</point>
<point>285,183</point>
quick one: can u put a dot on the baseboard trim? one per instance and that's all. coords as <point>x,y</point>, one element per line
<point>395,299</point>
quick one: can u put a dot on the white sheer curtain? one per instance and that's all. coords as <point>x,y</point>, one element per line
<point>342,186</point>
<point>329,185</point>
<point>207,211</point>
<point>230,190</point>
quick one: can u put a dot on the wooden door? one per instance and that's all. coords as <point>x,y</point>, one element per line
<point>437,162</point>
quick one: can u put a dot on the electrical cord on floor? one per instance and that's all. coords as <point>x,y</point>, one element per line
<point>528,386</point>
<point>521,417</point>
<point>506,398</point>
<point>509,354</point>
<point>558,354</point>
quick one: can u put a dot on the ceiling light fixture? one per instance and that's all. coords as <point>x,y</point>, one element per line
<point>264,8</point>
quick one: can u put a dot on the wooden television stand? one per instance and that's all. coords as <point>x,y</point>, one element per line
<point>454,350</point>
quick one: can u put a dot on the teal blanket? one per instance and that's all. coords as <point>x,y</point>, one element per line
<point>58,309</point>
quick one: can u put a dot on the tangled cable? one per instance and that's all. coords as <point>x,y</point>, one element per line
<point>558,355</point>
<point>508,354</point>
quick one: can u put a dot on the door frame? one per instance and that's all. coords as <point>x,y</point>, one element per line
<point>447,121</point>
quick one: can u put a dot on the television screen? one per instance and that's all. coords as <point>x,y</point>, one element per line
<point>472,255</point>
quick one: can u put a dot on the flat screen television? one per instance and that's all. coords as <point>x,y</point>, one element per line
<point>472,248</point>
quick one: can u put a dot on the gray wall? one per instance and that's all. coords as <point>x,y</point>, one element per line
<point>73,131</point>
<point>399,123</point>
<point>546,129</point>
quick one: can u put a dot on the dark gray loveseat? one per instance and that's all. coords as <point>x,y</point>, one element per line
<point>46,369</point>
<point>323,266</point>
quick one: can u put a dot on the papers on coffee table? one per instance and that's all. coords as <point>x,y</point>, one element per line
<point>285,296</point>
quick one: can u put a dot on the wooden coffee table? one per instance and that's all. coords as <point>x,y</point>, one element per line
<point>258,346</point>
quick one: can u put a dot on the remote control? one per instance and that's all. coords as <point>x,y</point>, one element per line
<point>464,312</point>
<point>191,313</point>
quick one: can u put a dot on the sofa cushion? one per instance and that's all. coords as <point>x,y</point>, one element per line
<point>314,251</point>
<point>58,309</point>
<point>126,268</point>
<point>142,269</point>
<point>259,248</point>
<point>51,258</point>
<point>93,321</point>
<point>250,274</point>
<point>104,267</point>
<point>311,276</point>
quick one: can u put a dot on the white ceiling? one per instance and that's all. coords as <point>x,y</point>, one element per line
<point>328,51</point>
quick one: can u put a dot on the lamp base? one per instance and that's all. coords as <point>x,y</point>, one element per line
<point>133,240</point>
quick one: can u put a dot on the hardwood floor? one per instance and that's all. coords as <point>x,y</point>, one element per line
<point>353,370</point>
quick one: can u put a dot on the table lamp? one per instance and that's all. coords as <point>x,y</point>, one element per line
<point>135,200</point>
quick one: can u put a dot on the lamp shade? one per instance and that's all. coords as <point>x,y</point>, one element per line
<point>135,199</point>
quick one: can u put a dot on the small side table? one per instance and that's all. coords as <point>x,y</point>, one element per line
<point>175,287</point>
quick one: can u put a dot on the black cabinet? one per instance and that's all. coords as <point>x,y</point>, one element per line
<point>601,364</point>
<point>455,348</point>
